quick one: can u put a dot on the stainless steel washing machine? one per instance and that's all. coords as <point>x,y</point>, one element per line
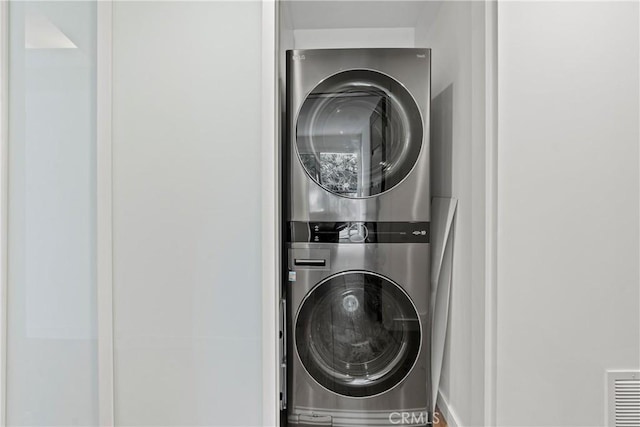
<point>358,134</point>
<point>358,329</point>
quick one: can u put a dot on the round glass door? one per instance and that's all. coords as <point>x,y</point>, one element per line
<point>359,133</point>
<point>357,334</point>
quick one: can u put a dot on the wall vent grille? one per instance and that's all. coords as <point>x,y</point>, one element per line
<point>623,394</point>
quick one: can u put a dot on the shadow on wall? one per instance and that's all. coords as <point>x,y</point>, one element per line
<point>442,143</point>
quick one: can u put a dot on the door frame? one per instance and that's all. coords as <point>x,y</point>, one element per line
<point>270,215</point>
<point>4,186</point>
<point>104,213</point>
<point>271,209</point>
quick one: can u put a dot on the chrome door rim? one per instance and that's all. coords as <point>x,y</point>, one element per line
<point>414,104</point>
<point>415,356</point>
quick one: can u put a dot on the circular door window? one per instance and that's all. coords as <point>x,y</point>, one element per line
<point>359,133</point>
<point>357,334</point>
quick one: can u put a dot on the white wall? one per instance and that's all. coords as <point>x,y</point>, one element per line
<point>187,196</point>
<point>348,24</point>
<point>568,280</point>
<point>353,38</point>
<point>456,37</point>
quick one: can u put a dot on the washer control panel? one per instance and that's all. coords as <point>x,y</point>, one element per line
<point>359,232</point>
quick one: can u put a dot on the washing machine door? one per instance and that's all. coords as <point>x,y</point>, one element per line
<point>359,133</point>
<point>357,334</point>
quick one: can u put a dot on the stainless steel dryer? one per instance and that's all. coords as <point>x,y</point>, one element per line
<point>358,134</point>
<point>358,346</point>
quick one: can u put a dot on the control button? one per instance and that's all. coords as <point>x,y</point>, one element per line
<point>358,232</point>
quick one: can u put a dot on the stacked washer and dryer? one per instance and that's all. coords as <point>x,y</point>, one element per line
<point>357,220</point>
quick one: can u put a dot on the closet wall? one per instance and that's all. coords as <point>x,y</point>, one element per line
<point>456,34</point>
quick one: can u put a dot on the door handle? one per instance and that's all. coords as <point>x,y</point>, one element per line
<point>310,262</point>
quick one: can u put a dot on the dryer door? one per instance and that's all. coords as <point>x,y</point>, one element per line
<point>357,334</point>
<point>359,133</point>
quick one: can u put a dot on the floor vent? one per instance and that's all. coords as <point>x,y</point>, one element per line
<point>623,394</point>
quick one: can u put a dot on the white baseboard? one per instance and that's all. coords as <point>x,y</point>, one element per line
<point>447,412</point>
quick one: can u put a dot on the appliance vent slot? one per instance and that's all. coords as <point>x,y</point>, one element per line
<point>623,394</point>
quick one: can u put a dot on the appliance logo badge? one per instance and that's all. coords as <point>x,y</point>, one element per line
<point>292,276</point>
<point>299,57</point>
<point>421,55</point>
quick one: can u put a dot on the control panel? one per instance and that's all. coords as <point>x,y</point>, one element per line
<point>359,232</point>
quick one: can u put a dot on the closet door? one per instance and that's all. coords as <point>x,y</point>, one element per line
<point>51,320</point>
<point>187,147</point>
